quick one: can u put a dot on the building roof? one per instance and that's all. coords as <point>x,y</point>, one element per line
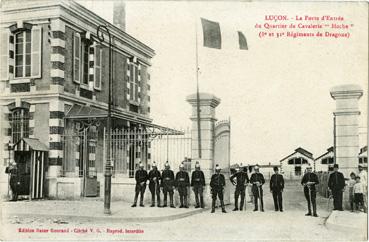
<point>329,150</point>
<point>301,151</point>
<point>25,144</point>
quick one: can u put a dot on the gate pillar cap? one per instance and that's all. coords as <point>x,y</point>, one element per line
<point>205,99</point>
<point>346,91</point>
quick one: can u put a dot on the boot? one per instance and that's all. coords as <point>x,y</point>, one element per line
<point>171,202</point>
<point>197,201</point>
<point>202,202</point>
<point>213,206</point>
<point>181,200</point>
<point>223,208</point>
<point>241,205</point>
<point>185,202</point>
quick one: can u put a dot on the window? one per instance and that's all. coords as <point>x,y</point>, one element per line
<point>298,171</point>
<point>19,122</point>
<point>290,162</point>
<point>85,65</point>
<point>76,57</point>
<point>133,81</point>
<point>23,54</point>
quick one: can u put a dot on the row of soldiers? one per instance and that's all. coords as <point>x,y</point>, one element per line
<point>181,181</point>
<point>168,182</point>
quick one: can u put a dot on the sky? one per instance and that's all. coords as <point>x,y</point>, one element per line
<point>276,93</point>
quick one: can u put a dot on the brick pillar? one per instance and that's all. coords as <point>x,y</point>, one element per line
<point>347,126</point>
<point>57,57</point>
<point>208,103</point>
<point>56,128</point>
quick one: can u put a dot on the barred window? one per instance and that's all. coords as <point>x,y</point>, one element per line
<point>23,54</point>
<point>19,121</point>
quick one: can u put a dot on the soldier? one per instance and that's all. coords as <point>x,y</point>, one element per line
<point>14,180</point>
<point>241,182</point>
<point>141,178</point>
<point>167,182</point>
<point>217,184</point>
<point>276,188</point>
<point>257,181</point>
<point>154,185</point>
<point>182,182</point>
<point>336,184</point>
<point>198,183</point>
<point>309,180</point>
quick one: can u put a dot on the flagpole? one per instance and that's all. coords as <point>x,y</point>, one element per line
<point>198,96</point>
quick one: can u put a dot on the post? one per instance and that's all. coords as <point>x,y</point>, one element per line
<point>107,183</point>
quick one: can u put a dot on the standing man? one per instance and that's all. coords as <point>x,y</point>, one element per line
<point>276,188</point>
<point>336,183</point>
<point>167,182</point>
<point>363,179</point>
<point>241,182</point>
<point>309,180</point>
<point>198,183</point>
<point>14,180</point>
<point>217,183</point>
<point>141,178</point>
<point>257,180</point>
<point>154,185</point>
<point>182,182</point>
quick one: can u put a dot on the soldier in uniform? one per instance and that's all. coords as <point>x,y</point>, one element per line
<point>276,188</point>
<point>257,180</point>
<point>198,183</point>
<point>154,185</point>
<point>167,182</point>
<point>309,180</point>
<point>182,182</point>
<point>336,184</point>
<point>141,178</point>
<point>14,180</point>
<point>241,182</point>
<point>217,184</point>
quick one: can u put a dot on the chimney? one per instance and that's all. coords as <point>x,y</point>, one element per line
<point>119,15</point>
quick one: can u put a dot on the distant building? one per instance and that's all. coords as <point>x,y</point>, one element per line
<point>294,165</point>
<point>363,156</point>
<point>326,160</point>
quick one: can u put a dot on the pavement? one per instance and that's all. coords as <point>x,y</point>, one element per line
<point>89,209</point>
<point>84,220</point>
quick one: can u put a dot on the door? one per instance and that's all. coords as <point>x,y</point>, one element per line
<point>87,151</point>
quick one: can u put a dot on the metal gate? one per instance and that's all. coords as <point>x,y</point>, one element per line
<point>129,147</point>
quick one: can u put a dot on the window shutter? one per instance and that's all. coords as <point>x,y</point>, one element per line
<point>77,58</point>
<point>136,83</point>
<point>4,55</point>
<point>36,51</point>
<point>97,67</point>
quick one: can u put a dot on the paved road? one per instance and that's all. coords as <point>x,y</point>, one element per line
<point>289,225</point>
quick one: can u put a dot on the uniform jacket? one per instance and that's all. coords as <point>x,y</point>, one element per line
<point>336,181</point>
<point>242,179</point>
<point>276,183</point>
<point>217,181</point>
<point>182,179</point>
<point>141,176</point>
<point>167,178</point>
<point>310,177</point>
<point>152,175</point>
<point>197,178</point>
<point>257,177</point>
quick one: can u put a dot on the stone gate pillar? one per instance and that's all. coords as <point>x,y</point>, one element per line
<point>347,126</point>
<point>208,103</point>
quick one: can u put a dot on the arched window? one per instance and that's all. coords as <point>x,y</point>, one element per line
<point>19,122</point>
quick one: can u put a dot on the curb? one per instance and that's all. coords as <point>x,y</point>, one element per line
<point>111,218</point>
